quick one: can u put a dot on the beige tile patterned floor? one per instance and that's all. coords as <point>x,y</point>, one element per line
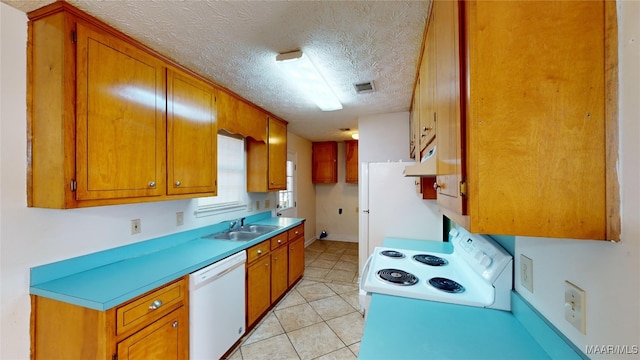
<point>319,318</point>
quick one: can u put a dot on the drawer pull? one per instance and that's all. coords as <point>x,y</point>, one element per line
<point>259,252</point>
<point>152,184</point>
<point>175,324</point>
<point>279,241</point>
<point>154,305</point>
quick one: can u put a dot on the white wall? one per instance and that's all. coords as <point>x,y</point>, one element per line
<point>608,272</point>
<point>332,197</point>
<point>31,237</point>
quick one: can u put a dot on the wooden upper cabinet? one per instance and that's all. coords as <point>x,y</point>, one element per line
<point>110,120</point>
<point>237,117</point>
<point>277,155</point>
<point>267,161</point>
<point>529,152</point>
<point>351,161</point>
<point>325,162</point>
<point>120,118</point>
<point>191,135</point>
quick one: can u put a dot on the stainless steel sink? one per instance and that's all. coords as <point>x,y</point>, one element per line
<point>234,236</point>
<point>261,229</point>
<point>243,233</point>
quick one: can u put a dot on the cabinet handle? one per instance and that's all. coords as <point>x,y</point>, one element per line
<point>266,264</point>
<point>178,183</point>
<point>259,252</point>
<point>175,324</point>
<point>154,305</point>
<point>152,184</point>
<point>436,186</point>
<point>297,232</point>
<point>279,241</point>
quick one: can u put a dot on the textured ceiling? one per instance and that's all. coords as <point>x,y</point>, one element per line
<point>234,43</point>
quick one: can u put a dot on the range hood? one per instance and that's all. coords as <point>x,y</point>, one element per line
<point>426,166</point>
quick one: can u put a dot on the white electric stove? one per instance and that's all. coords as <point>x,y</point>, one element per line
<point>479,272</point>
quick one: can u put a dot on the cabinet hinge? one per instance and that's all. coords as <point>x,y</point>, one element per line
<point>463,188</point>
<point>74,185</point>
<point>74,37</point>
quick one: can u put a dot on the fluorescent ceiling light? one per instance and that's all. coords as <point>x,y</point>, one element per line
<point>307,77</point>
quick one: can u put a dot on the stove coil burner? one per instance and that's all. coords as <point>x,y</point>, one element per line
<point>446,285</point>
<point>397,277</point>
<point>392,254</point>
<point>430,260</point>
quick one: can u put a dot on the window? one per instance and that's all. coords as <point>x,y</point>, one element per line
<point>231,178</point>
<point>286,198</point>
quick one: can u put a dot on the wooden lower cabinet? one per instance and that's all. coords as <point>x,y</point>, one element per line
<point>162,339</point>
<point>279,271</point>
<point>152,326</point>
<point>273,267</point>
<point>258,289</point>
<point>296,254</point>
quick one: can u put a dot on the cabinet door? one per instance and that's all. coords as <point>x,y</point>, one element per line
<point>428,88</point>
<point>325,162</point>
<point>351,155</point>
<point>279,270</point>
<point>296,259</point>
<point>277,155</point>
<point>191,135</point>
<point>450,165</point>
<point>414,123</point>
<point>121,132</point>
<point>165,339</point>
<point>258,289</point>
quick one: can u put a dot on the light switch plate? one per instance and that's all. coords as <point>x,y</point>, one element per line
<point>574,306</point>
<point>526,272</point>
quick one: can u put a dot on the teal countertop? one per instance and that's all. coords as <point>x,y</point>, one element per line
<point>403,328</point>
<point>108,278</point>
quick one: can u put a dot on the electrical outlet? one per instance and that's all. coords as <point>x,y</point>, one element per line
<point>135,226</point>
<point>526,272</point>
<point>257,204</point>
<point>179,218</point>
<point>574,306</point>
<point>267,203</point>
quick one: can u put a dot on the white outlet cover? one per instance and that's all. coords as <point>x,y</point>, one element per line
<point>526,272</point>
<point>574,306</point>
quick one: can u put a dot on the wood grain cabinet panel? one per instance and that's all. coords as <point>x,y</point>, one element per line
<point>99,130</point>
<point>351,161</point>
<point>191,136</point>
<point>524,135</point>
<point>120,118</point>
<point>324,165</point>
<point>273,267</point>
<point>133,330</point>
<point>258,281</point>
<point>267,161</point>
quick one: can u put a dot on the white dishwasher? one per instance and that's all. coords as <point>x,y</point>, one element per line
<point>217,307</point>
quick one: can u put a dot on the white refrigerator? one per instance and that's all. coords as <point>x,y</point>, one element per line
<point>391,207</point>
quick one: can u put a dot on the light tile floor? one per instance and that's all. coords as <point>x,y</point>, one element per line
<point>319,318</point>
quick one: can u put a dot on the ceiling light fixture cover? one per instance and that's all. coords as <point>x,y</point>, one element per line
<point>308,78</point>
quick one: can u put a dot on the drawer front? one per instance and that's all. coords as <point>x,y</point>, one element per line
<point>257,251</point>
<point>150,307</point>
<point>278,240</point>
<point>296,232</point>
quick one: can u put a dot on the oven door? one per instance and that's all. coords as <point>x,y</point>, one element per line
<point>364,296</point>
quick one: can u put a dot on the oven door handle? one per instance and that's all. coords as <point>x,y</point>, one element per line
<point>365,272</point>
